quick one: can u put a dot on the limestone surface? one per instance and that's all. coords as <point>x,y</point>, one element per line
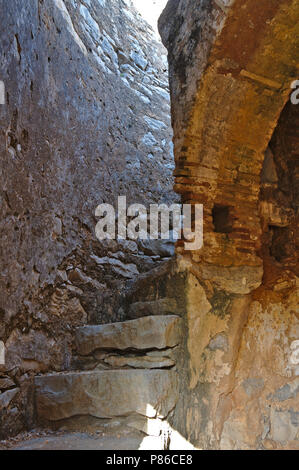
<point>158,332</point>
<point>105,394</point>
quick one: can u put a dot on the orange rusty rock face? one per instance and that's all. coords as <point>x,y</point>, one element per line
<point>237,42</point>
<point>237,153</point>
<point>232,116</point>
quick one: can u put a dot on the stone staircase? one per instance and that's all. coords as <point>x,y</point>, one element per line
<point>124,380</point>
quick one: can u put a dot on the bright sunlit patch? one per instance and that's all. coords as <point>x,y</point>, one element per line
<point>150,10</point>
<point>69,24</point>
<point>161,435</point>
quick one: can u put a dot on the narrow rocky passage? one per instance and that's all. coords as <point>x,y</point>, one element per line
<point>149,344</point>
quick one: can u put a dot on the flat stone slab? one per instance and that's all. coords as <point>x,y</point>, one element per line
<point>106,394</point>
<point>152,332</point>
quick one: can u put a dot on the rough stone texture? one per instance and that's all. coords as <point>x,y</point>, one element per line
<point>35,351</point>
<point>157,332</point>
<point>162,248</point>
<point>155,307</point>
<point>7,397</point>
<point>225,67</point>
<point>105,394</point>
<point>6,382</point>
<point>86,119</point>
<point>94,79</point>
<point>236,151</point>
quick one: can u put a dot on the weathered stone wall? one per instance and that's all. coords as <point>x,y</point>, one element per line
<point>86,120</point>
<point>231,66</point>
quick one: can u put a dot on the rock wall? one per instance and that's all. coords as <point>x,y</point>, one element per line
<point>86,120</point>
<point>236,151</point>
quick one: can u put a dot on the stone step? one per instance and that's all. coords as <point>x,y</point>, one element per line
<point>106,394</point>
<point>164,306</point>
<point>152,332</point>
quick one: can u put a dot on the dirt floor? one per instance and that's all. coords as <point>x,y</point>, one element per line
<point>41,440</point>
